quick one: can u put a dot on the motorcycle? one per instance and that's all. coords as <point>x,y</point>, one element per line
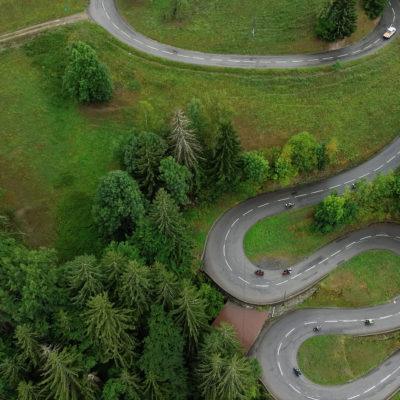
<point>297,371</point>
<point>259,272</point>
<point>316,328</point>
<point>369,322</point>
<point>289,205</point>
<point>287,271</point>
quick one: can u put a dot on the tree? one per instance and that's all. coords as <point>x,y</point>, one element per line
<point>255,166</point>
<point>12,369</point>
<point>225,164</point>
<point>62,375</point>
<point>195,112</point>
<point>134,289</point>
<point>85,278</point>
<point>28,391</point>
<point>86,79</point>
<point>109,328</point>
<point>142,156</point>
<point>304,150</point>
<point>337,20</point>
<point>125,386</point>
<point>184,144</point>
<point>27,341</point>
<point>176,179</point>
<point>190,312</point>
<point>213,300</point>
<point>374,8</point>
<point>163,352</point>
<point>118,204</point>
<point>166,286</point>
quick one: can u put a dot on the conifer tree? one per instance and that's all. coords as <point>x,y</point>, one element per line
<point>27,341</point>
<point>375,8</point>
<point>185,146</point>
<point>226,162</point>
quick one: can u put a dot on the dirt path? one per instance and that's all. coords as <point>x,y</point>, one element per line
<point>10,39</point>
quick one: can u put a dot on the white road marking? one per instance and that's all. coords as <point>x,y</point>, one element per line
<point>351,244</point>
<point>327,58</point>
<point>385,378</point>
<point>223,250</point>
<point>289,332</point>
<point>281,283</point>
<point>355,52</point>
<point>377,169</point>
<point>382,235</point>
<point>243,280</point>
<point>363,176</point>
<point>386,316</point>
<point>333,187</point>
<point>352,180</point>
<point>124,33</point>
<point>107,15</point>
<point>227,234</point>
<point>309,323</point>
<point>262,285</point>
<point>311,398</point>
<point>102,3</point>
<point>296,390</point>
<point>226,262</point>
<point>371,388</point>
<point>248,212</point>
<point>198,58</point>
<point>138,41</point>
<point>376,41</point>
<point>365,237</point>
<point>326,259</point>
<point>390,159</point>
<point>300,195</point>
<point>294,277</point>
<point>167,52</point>
<point>342,55</point>
<point>309,269</point>
<point>236,61</point>
<point>216,59</point>
<point>183,55</point>
<point>348,320</point>
<point>279,348</point>
<point>353,397</point>
<point>280,369</point>
<point>317,191</point>
<point>263,205</point>
<point>331,321</point>
<point>234,222</point>
<point>249,61</point>
<point>335,253</point>
<point>115,26</point>
<point>286,198</point>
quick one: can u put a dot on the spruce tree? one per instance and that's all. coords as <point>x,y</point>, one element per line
<point>337,20</point>
<point>27,341</point>
<point>226,162</point>
<point>184,143</point>
<point>375,8</point>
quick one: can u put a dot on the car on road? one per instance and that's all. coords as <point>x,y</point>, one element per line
<point>389,32</point>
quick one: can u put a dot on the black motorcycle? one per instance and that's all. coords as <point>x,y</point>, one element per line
<point>316,328</point>
<point>297,371</point>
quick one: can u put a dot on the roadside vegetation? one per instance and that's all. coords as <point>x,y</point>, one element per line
<point>337,359</point>
<point>81,143</point>
<point>280,26</point>
<point>18,14</point>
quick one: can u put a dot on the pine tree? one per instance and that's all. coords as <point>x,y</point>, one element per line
<point>62,375</point>
<point>190,312</point>
<point>184,143</point>
<point>27,341</point>
<point>85,278</point>
<point>109,328</point>
<point>337,20</point>
<point>12,369</point>
<point>225,165</point>
<point>375,8</point>
<point>163,352</point>
<point>175,178</point>
<point>134,289</point>
<point>166,286</point>
<point>28,391</point>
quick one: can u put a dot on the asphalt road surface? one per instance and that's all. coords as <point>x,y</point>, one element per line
<point>104,13</point>
<point>277,347</point>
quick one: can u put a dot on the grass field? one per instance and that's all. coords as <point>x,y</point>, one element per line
<point>367,279</point>
<point>225,26</point>
<point>336,359</point>
<point>17,14</point>
<point>54,151</point>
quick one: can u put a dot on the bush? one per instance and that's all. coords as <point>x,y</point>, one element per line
<point>86,79</point>
<point>255,166</point>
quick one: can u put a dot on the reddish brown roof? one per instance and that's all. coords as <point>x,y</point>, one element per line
<point>247,322</point>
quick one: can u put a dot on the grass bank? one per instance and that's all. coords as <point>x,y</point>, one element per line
<point>17,14</point>
<point>226,26</point>
<point>336,359</point>
<point>55,151</point>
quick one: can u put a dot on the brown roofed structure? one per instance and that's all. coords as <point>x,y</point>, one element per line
<point>246,322</point>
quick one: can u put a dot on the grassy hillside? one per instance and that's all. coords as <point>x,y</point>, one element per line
<point>54,151</point>
<point>226,26</point>
<point>17,14</point>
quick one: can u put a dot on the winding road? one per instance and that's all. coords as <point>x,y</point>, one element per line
<point>224,257</point>
<point>105,13</point>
